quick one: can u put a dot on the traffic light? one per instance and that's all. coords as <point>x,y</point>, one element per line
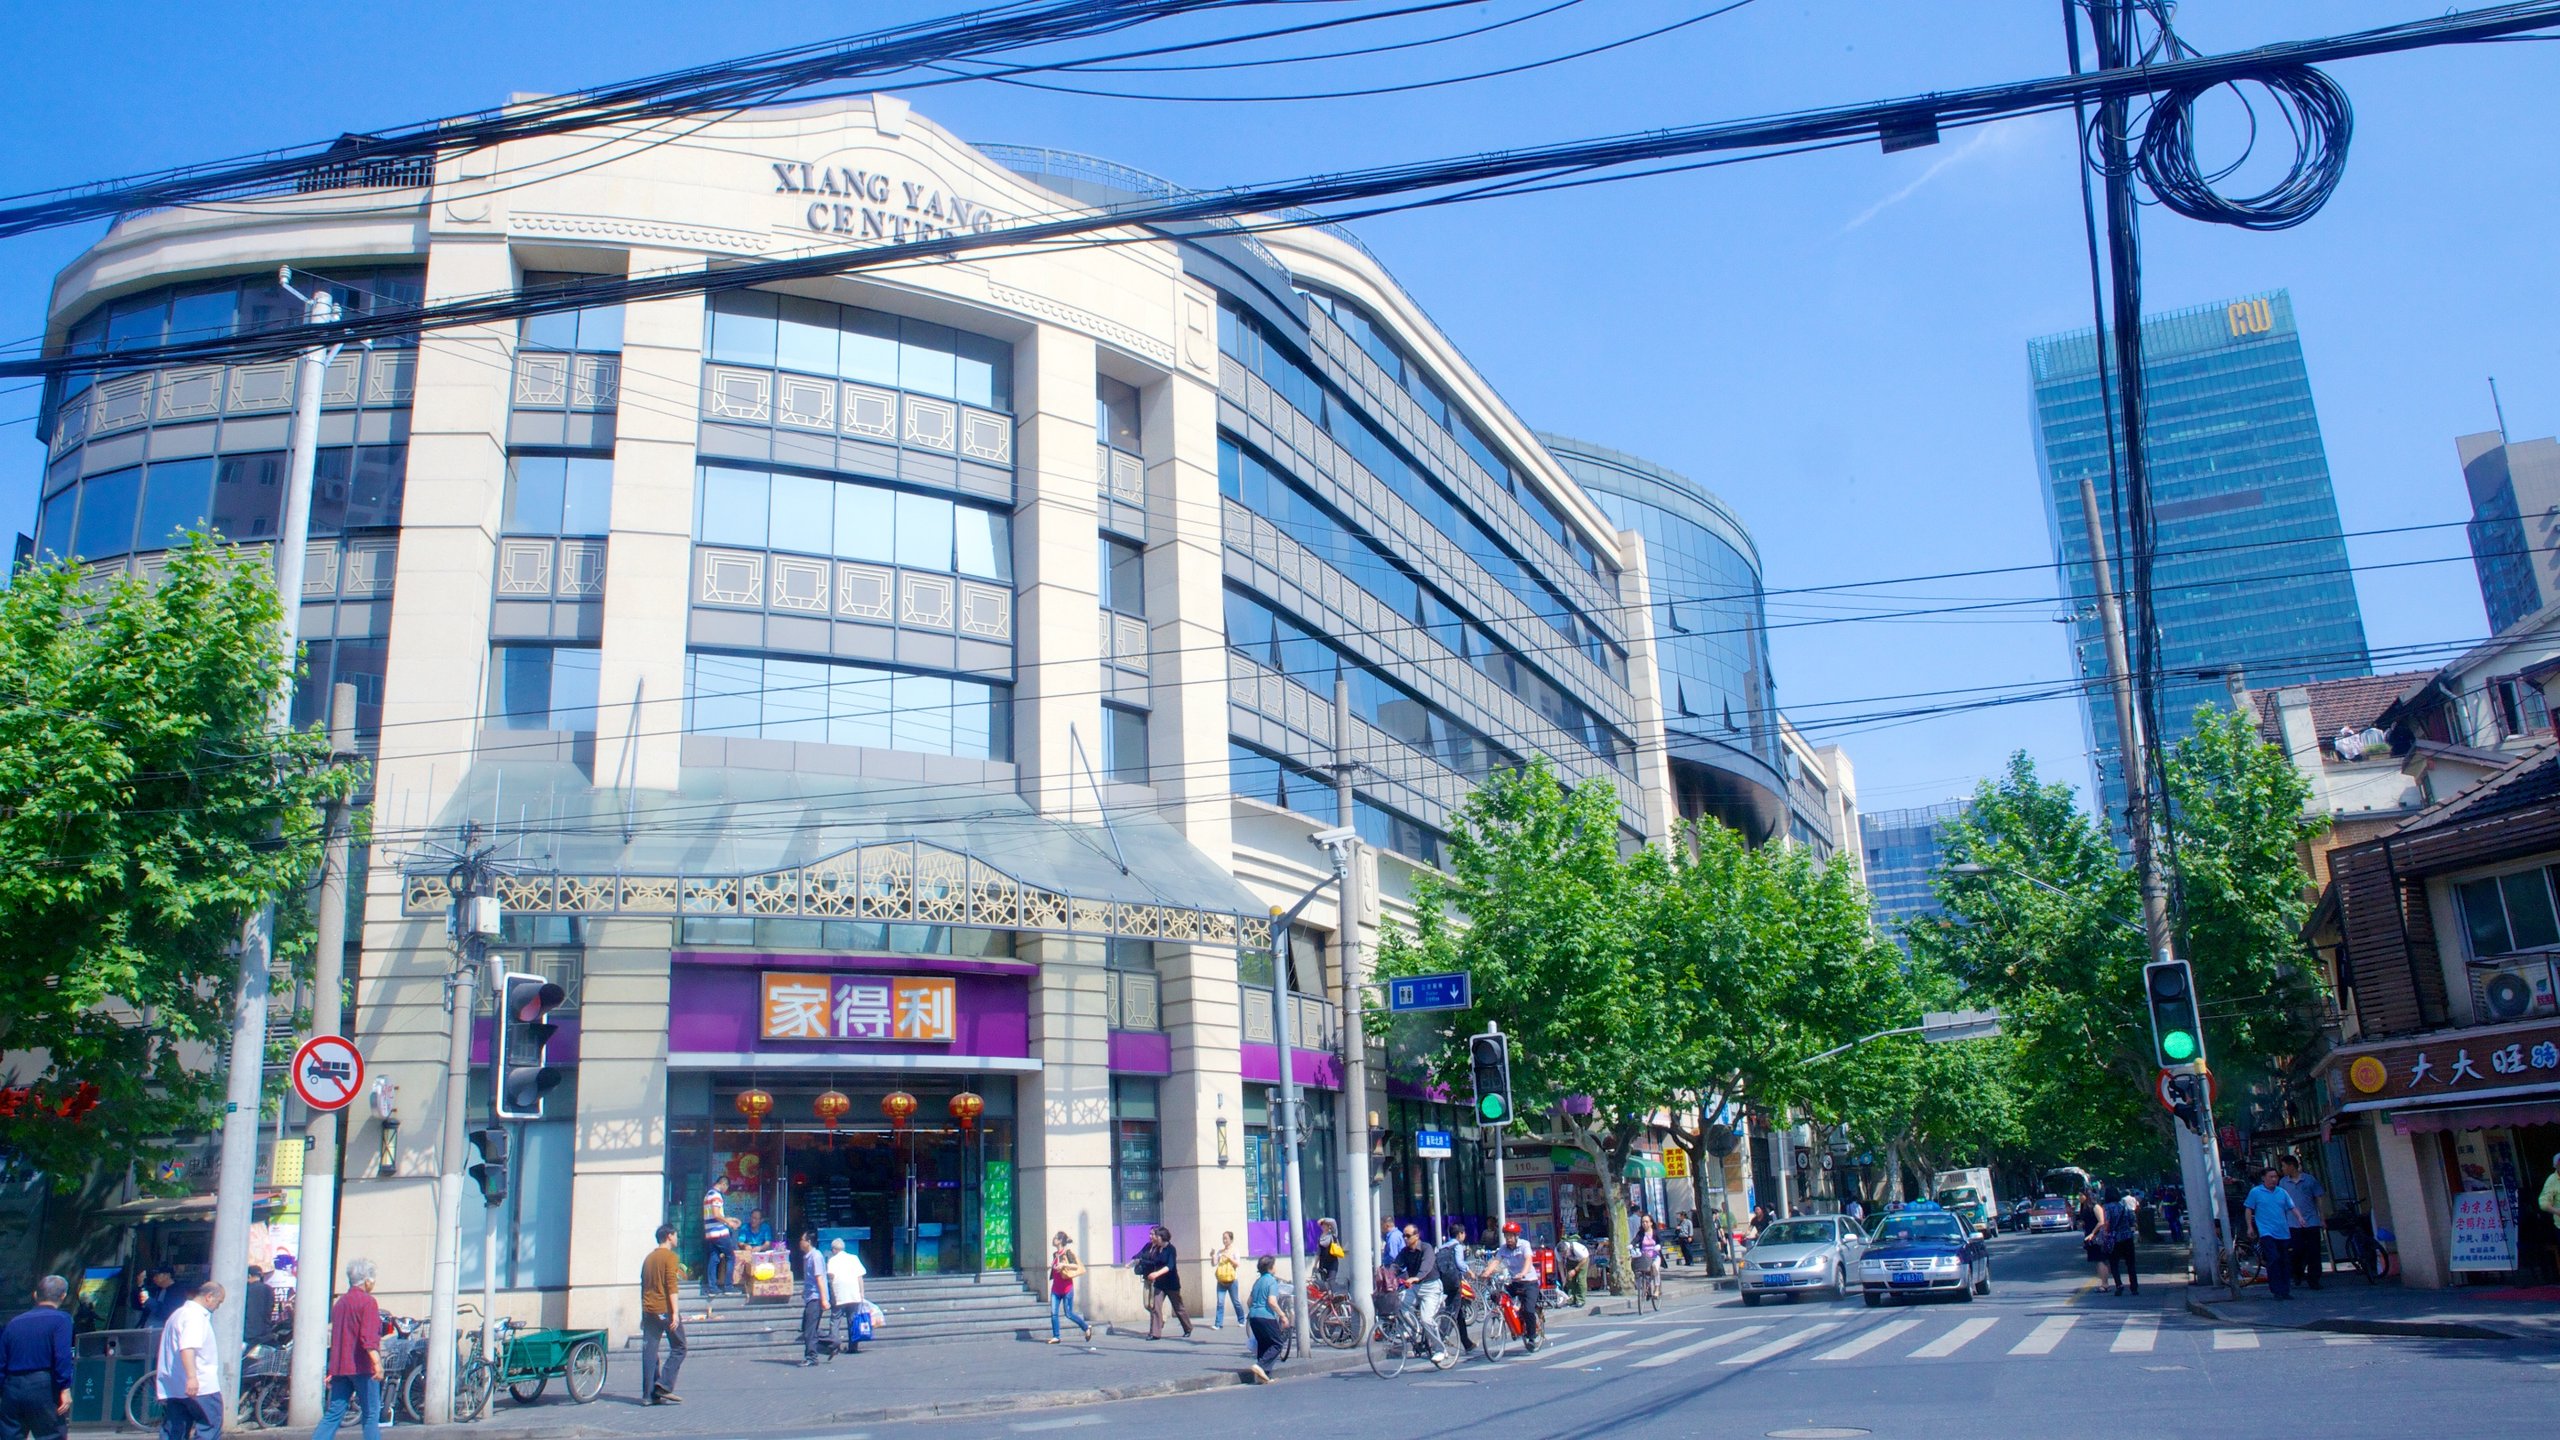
<point>1489,1057</point>
<point>491,1173</point>
<point>2177,1032</point>
<point>524,1071</point>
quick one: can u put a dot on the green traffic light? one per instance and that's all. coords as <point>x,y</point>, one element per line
<point>1492,1107</point>
<point>2178,1045</point>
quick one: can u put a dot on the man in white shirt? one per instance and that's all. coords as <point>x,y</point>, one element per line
<point>844,1289</point>
<point>190,1380</point>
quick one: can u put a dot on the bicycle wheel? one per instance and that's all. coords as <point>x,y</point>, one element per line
<point>585,1371</point>
<point>270,1403</point>
<point>471,1386</point>
<point>1447,1353</point>
<point>142,1403</point>
<point>413,1395</point>
<point>1386,1346</point>
<point>1337,1325</point>
<point>1493,1332</point>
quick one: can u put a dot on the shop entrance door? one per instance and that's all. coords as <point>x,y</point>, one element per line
<point>905,1199</point>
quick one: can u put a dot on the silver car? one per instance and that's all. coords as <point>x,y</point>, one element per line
<point>1811,1254</point>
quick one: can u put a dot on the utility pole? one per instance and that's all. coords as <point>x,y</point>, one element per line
<point>236,1189</point>
<point>2110,24</point>
<point>473,921</point>
<point>1292,1202</point>
<point>315,1258</point>
<point>1353,1128</point>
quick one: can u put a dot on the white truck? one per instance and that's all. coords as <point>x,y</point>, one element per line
<point>1968,1193</point>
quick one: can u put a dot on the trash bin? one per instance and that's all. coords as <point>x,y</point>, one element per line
<point>91,1382</point>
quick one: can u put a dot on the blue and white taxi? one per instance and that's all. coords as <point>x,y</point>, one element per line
<point>1923,1250</point>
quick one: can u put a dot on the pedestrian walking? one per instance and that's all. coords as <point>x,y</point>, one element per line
<point>1329,1254</point>
<point>190,1375</point>
<point>660,1322</point>
<point>1160,1265</point>
<point>2116,1234</point>
<point>1268,1319</point>
<point>1064,1269</point>
<point>1576,1258</point>
<point>258,1309</point>
<point>719,1239</point>
<point>2272,1216</point>
<point>1223,1267</point>
<point>2086,1217</point>
<point>845,1274</point>
<point>1686,1231</point>
<point>355,1356</point>
<point>1390,1241</point>
<point>35,1366</point>
<point>2306,1192</point>
<point>813,1297</point>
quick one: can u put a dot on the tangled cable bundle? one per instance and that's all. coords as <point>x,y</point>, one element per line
<point>2314,108</point>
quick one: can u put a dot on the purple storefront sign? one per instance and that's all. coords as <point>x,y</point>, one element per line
<point>714,1005</point>
<point>1261,1065</point>
<point>1141,1052</point>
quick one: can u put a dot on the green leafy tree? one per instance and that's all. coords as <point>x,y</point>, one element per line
<point>147,809</point>
<point>1549,919</point>
<point>2063,959</point>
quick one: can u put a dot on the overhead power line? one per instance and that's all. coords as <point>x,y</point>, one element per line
<point>1900,122</point>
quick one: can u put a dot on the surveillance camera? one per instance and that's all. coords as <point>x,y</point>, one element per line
<point>1334,838</point>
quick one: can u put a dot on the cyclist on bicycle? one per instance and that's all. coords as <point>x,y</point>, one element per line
<point>1449,1266</point>
<point>1408,1273</point>
<point>1519,1265</point>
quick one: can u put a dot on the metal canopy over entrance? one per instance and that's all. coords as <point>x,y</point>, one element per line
<point>755,843</point>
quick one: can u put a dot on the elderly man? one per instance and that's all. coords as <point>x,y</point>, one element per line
<point>190,1372</point>
<point>845,1273</point>
<point>35,1354</point>
<point>355,1356</point>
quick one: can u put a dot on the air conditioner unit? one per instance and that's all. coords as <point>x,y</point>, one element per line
<point>2516,994</point>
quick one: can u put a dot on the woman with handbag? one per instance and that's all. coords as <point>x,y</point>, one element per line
<point>1161,1267</point>
<point>1064,1268</point>
<point>1224,1266</point>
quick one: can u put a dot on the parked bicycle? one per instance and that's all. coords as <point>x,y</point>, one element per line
<point>2352,1243</point>
<point>1332,1316</point>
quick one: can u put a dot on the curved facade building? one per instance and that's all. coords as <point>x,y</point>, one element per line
<point>1718,699</point>
<point>915,682</point>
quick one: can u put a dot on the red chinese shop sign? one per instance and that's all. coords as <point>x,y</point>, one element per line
<point>2499,1060</point>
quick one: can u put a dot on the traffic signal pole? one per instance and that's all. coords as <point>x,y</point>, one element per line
<point>470,883</point>
<point>316,1260</point>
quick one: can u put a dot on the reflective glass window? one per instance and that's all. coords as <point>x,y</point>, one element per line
<point>177,496</point>
<point>859,702</point>
<point>137,322</point>
<point>924,531</point>
<point>204,314</point>
<point>743,327</point>
<point>922,718</point>
<point>803,512</point>
<point>586,497</point>
<point>796,702</point>
<point>927,359</point>
<point>986,372</point>
<point>724,694</point>
<point>985,539</point>
<point>1124,744</point>
<point>733,507</point>
<point>248,496</point>
<point>869,348</point>
<point>1115,420</point>
<point>53,526</point>
<point>543,687</point>
<point>867,523</point>
<point>107,507</point>
<point>1124,579</point>
<point>534,487</point>
<point>808,335</point>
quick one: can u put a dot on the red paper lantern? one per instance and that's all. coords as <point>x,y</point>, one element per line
<point>831,1107</point>
<point>755,1103</point>
<point>899,1106</point>
<point>966,1107</point>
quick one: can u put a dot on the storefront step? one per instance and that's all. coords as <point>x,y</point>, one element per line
<point>916,1308</point>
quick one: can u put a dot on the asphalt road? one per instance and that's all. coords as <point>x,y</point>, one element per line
<point>2044,1354</point>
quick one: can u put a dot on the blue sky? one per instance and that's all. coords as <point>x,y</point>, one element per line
<point>1835,343</point>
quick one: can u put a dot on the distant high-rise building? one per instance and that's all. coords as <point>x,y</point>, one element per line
<point>2250,568</point>
<point>1903,848</point>
<point>2515,522</point>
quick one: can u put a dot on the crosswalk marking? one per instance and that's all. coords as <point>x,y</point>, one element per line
<point>1584,1341</point>
<point>1782,1344</point>
<point>2346,1340</point>
<point>2235,1339</point>
<point>1868,1341</point>
<point>1673,1357</point>
<point>1616,1351</point>
<point>2042,1339</point>
<point>1953,1341</point>
<point>2139,1334</point>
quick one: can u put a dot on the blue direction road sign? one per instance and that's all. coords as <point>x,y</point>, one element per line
<point>1451,991</point>
<point>1432,1144</point>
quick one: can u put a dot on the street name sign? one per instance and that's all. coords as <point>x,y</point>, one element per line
<point>1450,991</point>
<point>1432,1144</point>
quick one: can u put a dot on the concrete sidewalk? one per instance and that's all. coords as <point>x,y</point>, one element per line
<point>735,1393</point>
<point>2347,1305</point>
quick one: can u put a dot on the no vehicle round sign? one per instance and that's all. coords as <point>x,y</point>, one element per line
<point>327,1072</point>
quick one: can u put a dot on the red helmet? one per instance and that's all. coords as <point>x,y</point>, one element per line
<point>1510,1227</point>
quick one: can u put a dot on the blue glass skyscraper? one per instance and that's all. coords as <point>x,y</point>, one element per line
<point>2250,568</point>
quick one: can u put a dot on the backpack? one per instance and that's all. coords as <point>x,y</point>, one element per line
<point>1448,1267</point>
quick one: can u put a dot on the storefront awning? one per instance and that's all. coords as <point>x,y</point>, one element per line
<point>180,1207</point>
<point>1641,1166</point>
<point>2474,1117</point>
<point>764,843</point>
